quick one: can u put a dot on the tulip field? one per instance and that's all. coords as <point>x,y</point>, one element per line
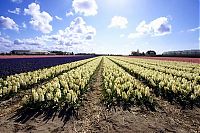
<point>180,81</point>
<point>91,88</point>
<point>10,65</point>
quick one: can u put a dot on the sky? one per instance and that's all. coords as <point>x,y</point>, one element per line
<point>99,26</point>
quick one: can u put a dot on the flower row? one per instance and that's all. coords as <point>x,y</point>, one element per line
<point>18,81</point>
<point>66,88</point>
<point>166,84</point>
<point>120,86</point>
<point>169,70</point>
<point>182,66</point>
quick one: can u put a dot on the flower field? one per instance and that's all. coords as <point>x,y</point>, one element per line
<point>10,65</point>
<point>173,80</point>
<point>85,92</point>
<point>180,59</point>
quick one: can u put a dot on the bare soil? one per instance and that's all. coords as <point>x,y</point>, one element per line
<point>94,116</point>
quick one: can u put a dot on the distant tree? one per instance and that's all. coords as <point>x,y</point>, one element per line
<point>143,54</point>
<point>151,53</point>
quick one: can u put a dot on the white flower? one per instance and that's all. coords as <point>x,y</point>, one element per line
<point>69,97</point>
<point>49,96</point>
<point>35,97</point>
<point>55,99</point>
<point>15,89</point>
<point>41,97</point>
<point>109,91</point>
<point>58,93</point>
<point>1,91</point>
<point>5,90</point>
<point>124,96</point>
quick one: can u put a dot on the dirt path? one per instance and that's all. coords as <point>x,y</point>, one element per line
<point>13,103</point>
<point>89,115</point>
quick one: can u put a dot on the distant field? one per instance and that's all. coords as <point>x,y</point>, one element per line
<point>10,65</point>
<point>183,59</point>
<point>33,56</point>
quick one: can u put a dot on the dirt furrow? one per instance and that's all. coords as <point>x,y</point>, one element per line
<point>89,115</point>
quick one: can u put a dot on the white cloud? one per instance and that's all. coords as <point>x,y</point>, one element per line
<point>58,18</point>
<point>194,29</point>
<point>122,35</point>
<point>24,25</point>
<point>17,1</point>
<point>40,20</point>
<point>118,21</point>
<point>5,42</point>
<point>16,11</point>
<point>27,43</point>
<point>77,37</point>
<point>8,23</point>
<point>85,7</point>
<point>69,13</point>
<point>157,27</point>
<point>30,41</point>
<point>77,33</point>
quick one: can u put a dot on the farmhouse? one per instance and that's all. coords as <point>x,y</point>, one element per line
<point>29,52</point>
<point>38,52</point>
<point>150,53</point>
<point>20,52</point>
<point>191,53</point>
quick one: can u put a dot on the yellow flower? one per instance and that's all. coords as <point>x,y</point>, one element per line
<point>193,96</point>
<point>108,91</point>
<point>58,93</point>
<point>124,96</point>
<point>1,91</point>
<point>55,99</point>
<point>49,96</point>
<point>15,89</point>
<point>118,91</point>
<point>5,90</point>
<point>69,96</point>
<point>35,97</point>
<point>41,97</point>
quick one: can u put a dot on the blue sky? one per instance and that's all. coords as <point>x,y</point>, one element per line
<point>100,26</point>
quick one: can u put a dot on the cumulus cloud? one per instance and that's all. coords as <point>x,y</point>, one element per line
<point>58,18</point>
<point>29,41</point>
<point>78,36</point>
<point>24,25</point>
<point>26,43</point>
<point>69,13</point>
<point>8,23</point>
<point>40,20</point>
<point>5,42</point>
<point>157,27</point>
<point>16,11</point>
<point>119,22</point>
<point>194,29</point>
<point>17,1</point>
<point>85,7</point>
<point>77,33</point>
